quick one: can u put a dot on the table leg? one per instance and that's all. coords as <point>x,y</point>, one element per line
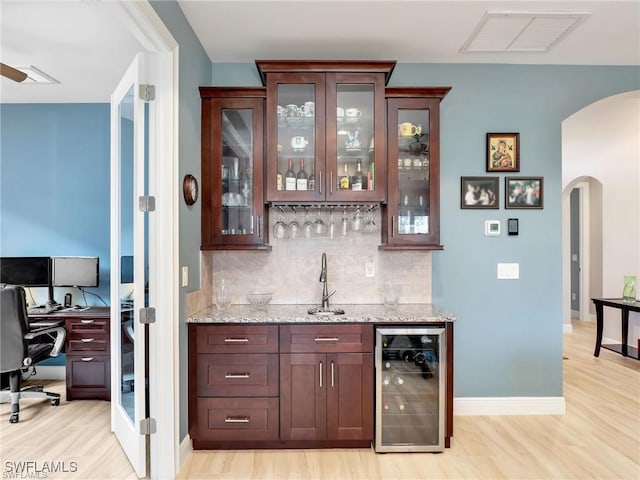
<point>599,321</point>
<point>625,330</point>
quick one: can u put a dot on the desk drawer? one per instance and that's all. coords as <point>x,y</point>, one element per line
<point>249,375</point>
<point>235,338</point>
<point>326,338</point>
<point>233,419</point>
<point>80,345</point>
<point>87,326</point>
<point>88,376</point>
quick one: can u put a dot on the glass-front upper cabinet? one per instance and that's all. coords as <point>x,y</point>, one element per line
<point>325,131</point>
<point>232,169</point>
<point>412,217</point>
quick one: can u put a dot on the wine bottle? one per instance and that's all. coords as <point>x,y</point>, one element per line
<point>358,179</point>
<point>279,181</point>
<point>290,177</point>
<point>344,180</point>
<point>301,177</point>
<point>311,182</point>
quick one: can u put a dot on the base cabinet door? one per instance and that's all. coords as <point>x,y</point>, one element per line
<point>326,396</point>
<point>350,396</point>
<point>88,376</point>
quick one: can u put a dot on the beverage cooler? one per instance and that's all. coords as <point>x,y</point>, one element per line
<point>410,367</point>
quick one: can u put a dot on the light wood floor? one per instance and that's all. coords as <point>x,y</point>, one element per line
<point>599,437</point>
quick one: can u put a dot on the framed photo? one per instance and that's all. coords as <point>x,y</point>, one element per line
<point>503,152</point>
<point>523,192</point>
<point>479,192</point>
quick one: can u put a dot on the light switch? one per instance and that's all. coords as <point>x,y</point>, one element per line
<point>508,271</point>
<point>185,276</point>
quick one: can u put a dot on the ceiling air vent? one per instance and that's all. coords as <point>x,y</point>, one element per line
<point>536,32</point>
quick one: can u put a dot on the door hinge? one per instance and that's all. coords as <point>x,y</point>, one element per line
<point>147,203</point>
<point>147,92</point>
<point>147,315</point>
<point>147,426</point>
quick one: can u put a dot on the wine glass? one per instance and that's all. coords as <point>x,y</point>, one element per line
<point>294,226</point>
<point>332,225</point>
<point>320,226</point>
<point>307,227</point>
<point>344,223</point>
<point>357,220</point>
<point>370,225</point>
<point>280,228</point>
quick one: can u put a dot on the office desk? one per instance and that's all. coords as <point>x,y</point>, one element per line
<point>625,308</point>
<point>87,347</point>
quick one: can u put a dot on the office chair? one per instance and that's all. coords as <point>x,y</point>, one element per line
<point>22,348</point>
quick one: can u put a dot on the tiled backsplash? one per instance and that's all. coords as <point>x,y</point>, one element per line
<point>291,270</point>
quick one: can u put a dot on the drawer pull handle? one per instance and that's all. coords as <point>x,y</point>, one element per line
<point>236,420</point>
<point>327,339</point>
<point>236,340</point>
<point>86,340</point>
<point>320,375</point>
<point>236,375</point>
<point>87,359</point>
<point>86,322</point>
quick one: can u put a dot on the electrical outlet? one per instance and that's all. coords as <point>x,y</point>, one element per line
<point>185,276</point>
<point>369,268</point>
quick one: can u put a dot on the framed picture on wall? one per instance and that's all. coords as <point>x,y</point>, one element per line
<point>523,192</point>
<point>479,192</point>
<point>503,152</point>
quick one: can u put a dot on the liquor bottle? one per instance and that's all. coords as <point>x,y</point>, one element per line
<point>301,177</point>
<point>344,180</point>
<point>279,181</point>
<point>290,177</point>
<point>311,182</point>
<point>358,179</point>
<point>371,175</point>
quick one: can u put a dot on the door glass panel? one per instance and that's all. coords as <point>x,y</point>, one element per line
<point>355,139</point>
<point>413,172</point>
<point>296,138</point>
<point>237,172</point>
<point>127,302</point>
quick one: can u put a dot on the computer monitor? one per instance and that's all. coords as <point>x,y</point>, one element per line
<point>26,271</point>
<point>75,271</point>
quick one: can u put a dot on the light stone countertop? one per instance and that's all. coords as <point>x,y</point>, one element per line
<point>362,313</point>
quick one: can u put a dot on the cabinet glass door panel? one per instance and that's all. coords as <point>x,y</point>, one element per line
<point>355,139</point>
<point>413,172</point>
<point>237,213</point>
<point>410,388</point>
<point>296,147</point>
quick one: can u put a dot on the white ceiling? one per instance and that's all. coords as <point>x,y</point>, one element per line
<point>86,44</point>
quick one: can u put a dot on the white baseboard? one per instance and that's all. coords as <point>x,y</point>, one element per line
<point>49,372</point>
<point>185,451</point>
<point>509,406</point>
<point>567,328</point>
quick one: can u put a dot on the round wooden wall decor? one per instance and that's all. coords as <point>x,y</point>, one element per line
<point>190,189</point>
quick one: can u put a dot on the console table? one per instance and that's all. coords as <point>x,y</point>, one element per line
<point>625,307</point>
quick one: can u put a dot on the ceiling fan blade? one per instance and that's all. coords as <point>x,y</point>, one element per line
<point>12,73</point>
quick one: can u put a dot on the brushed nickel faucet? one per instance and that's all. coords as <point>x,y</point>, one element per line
<point>323,279</point>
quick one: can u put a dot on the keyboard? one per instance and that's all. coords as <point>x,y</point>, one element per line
<point>43,309</point>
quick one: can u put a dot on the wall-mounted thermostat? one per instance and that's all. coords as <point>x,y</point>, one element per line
<point>492,228</point>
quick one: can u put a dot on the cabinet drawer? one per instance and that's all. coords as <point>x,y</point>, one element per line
<point>87,325</point>
<point>87,343</point>
<point>233,419</point>
<point>88,376</point>
<point>236,338</point>
<point>237,375</point>
<point>326,338</point>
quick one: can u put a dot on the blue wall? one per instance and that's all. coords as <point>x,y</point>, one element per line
<point>508,342</point>
<point>54,186</point>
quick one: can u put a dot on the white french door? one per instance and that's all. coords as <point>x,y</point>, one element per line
<point>129,264</point>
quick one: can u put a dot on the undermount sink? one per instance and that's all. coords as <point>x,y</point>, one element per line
<point>325,312</point>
